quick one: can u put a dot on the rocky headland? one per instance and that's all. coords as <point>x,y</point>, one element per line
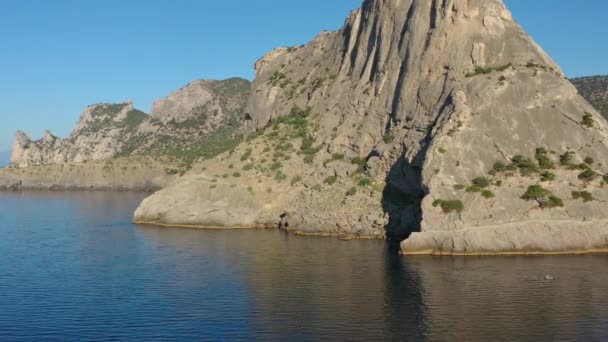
<point>439,125</point>
<point>438,122</point>
<point>118,147</point>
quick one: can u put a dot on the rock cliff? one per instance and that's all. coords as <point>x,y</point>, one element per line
<point>101,133</point>
<point>439,121</point>
<point>200,120</point>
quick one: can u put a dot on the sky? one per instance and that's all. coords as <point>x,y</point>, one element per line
<point>59,56</point>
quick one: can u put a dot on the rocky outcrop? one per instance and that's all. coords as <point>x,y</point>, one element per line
<point>101,133</point>
<point>595,90</point>
<point>438,118</point>
<point>200,120</point>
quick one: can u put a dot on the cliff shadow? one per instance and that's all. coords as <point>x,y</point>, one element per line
<point>405,314</point>
<point>401,200</point>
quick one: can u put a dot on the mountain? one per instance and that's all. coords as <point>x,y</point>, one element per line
<point>440,123</point>
<point>199,120</point>
<point>116,146</point>
<point>595,90</point>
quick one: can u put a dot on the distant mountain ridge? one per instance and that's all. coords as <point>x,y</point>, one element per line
<point>200,120</point>
<point>595,90</point>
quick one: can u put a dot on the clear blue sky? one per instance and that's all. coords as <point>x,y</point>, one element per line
<point>59,56</point>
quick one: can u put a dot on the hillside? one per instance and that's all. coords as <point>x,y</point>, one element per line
<point>595,90</point>
<point>442,123</point>
<point>200,120</point>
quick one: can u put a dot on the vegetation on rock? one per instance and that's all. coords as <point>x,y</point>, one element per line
<point>449,206</point>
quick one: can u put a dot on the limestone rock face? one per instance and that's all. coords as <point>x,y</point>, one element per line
<point>425,97</point>
<point>185,118</point>
<point>101,133</point>
<point>201,120</point>
<point>178,104</point>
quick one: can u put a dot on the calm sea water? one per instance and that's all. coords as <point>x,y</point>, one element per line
<point>73,268</point>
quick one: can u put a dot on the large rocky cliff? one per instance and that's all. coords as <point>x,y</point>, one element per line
<point>440,118</point>
<point>101,133</point>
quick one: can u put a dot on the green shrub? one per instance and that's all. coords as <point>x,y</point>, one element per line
<point>331,180</point>
<point>296,180</point>
<point>236,175</point>
<point>351,192</point>
<point>487,194</point>
<point>280,176</point>
<point>535,192</point>
<point>388,138</point>
<point>225,175</point>
<point>364,182</point>
<point>481,182</point>
<point>547,176</point>
<point>543,196</point>
<point>337,156</point>
<point>309,159</point>
<point>247,154</point>
<point>553,202</point>
<point>498,183</point>
<point>567,158</point>
<point>449,206</point>
<point>542,156</point>
<point>525,165</point>
<point>459,187</point>
<point>587,120</point>
<point>360,162</point>
<point>276,165</point>
<point>500,167</point>
<point>587,175</point>
<point>473,188</point>
<point>248,167</point>
<point>584,195</point>
<point>589,161</point>
<point>488,70</point>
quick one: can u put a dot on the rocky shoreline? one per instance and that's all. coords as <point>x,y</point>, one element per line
<point>455,132</point>
<point>116,175</point>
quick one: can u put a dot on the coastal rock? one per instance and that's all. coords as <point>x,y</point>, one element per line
<point>116,174</point>
<point>424,98</point>
<point>200,120</point>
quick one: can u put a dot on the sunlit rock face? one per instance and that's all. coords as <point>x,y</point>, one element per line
<point>450,110</point>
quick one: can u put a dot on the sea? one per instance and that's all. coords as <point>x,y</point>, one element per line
<point>73,267</point>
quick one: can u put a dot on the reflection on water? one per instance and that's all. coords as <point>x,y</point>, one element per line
<point>74,266</point>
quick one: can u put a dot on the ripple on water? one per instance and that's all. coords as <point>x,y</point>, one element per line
<point>74,268</point>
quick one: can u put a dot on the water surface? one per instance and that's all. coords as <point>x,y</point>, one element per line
<point>74,268</point>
